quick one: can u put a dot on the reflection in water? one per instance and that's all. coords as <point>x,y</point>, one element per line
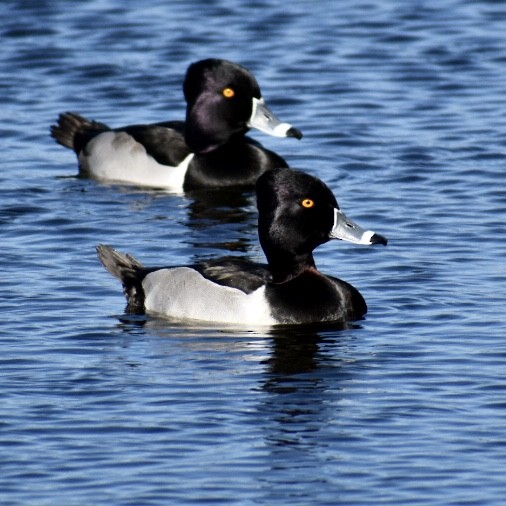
<point>211,207</point>
<point>294,404</point>
<point>294,351</point>
<point>224,219</point>
<point>303,385</point>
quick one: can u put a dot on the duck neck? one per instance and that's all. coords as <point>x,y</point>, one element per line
<point>203,135</point>
<point>285,266</point>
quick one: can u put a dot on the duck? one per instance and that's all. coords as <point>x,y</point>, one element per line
<point>207,150</point>
<point>297,212</point>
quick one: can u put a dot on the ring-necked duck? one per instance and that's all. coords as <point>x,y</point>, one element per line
<point>296,213</point>
<point>209,149</point>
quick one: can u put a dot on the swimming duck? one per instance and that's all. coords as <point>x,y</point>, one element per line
<point>209,149</point>
<point>296,213</point>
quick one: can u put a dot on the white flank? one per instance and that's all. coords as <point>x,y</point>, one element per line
<point>118,157</point>
<point>184,293</point>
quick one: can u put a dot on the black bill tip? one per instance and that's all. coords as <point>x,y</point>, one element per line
<point>379,239</point>
<point>294,132</point>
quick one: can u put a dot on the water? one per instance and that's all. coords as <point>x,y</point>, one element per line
<point>402,106</point>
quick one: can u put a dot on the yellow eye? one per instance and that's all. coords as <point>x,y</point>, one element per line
<point>228,92</point>
<point>307,203</point>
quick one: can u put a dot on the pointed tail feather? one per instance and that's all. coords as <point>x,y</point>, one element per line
<point>73,130</point>
<point>129,271</point>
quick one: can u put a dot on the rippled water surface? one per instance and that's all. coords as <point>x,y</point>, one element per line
<point>403,109</point>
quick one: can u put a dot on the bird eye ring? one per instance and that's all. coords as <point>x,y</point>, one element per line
<point>307,203</point>
<point>228,92</point>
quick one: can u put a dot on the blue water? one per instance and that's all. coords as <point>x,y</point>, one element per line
<point>403,109</point>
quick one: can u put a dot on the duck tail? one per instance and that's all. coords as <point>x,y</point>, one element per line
<point>73,131</point>
<point>129,271</point>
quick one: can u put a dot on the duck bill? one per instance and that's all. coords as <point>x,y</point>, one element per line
<point>264,120</point>
<point>347,230</point>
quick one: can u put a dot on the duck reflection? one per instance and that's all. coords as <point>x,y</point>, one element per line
<point>303,383</point>
<point>297,349</point>
<point>289,350</point>
<point>214,217</point>
<point>208,208</point>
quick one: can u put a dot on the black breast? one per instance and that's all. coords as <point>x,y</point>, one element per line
<point>238,162</point>
<point>312,297</point>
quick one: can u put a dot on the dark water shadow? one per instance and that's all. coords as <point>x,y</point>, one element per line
<point>217,220</point>
<point>298,388</point>
<point>209,208</point>
<point>303,383</point>
<point>297,349</point>
<point>293,350</point>
<point>223,220</point>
